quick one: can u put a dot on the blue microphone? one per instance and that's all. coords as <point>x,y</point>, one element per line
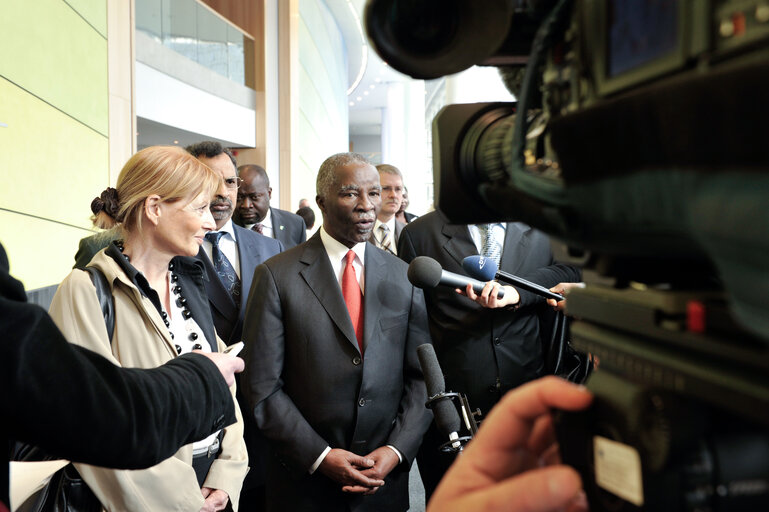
<point>485,269</point>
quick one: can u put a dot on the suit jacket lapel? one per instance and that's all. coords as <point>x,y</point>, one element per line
<point>516,246</point>
<point>374,270</point>
<point>218,295</point>
<point>458,244</point>
<point>277,224</point>
<point>248,253</point>
<point>321,279</point>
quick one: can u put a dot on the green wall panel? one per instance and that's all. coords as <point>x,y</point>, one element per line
<point>94,12</point>
<point>52,166</point>
<point>47,48</point>
<point>41,252</point>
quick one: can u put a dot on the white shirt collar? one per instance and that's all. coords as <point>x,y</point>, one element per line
<point>336,250</point>
<point>267,220</point>
<point>227,228</point>
<point>390,225</point>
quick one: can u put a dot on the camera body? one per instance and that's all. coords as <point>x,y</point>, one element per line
<point>640,142</point>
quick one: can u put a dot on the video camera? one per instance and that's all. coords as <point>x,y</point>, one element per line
<point>640,141</point>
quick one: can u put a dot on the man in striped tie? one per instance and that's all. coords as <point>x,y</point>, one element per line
<point>387,228</point>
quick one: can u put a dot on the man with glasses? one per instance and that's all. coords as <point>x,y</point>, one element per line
<point>230,254</point>
<point>387,229</point>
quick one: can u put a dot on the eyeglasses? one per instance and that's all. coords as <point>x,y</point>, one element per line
<point>232,182</point>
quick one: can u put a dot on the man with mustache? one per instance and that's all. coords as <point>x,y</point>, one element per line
<point>230,254</point>
<point>332,371</point>
<point>388,229</point>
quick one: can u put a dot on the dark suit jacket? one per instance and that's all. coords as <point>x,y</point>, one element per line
<point>309,387</point>
<point>288,227</point>
<point>484,352</point>
<point>253,249</point>
<point>77,405</point>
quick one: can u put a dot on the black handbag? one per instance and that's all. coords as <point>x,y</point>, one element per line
<point>66,491</point>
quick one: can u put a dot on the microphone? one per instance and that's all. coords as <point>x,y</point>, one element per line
<point>446,417</point>
<point>425,272</point>
<point>486,269</point>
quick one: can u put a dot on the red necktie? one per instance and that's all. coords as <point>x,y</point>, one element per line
<point>353,298</point>
<point>258,228</point>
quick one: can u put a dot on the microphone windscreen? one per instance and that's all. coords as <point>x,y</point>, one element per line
<point>446,416</point>
<point>431,369</point>
<point>424,272</point>
<point>480,268</point>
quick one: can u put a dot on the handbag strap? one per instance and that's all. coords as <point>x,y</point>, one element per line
<point>106,301</point>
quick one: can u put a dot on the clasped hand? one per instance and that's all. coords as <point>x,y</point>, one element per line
<point>359,474</point>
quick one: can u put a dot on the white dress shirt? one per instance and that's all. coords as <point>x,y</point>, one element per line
<point>227,244</point>
<point>391,226</point>
<point>266,224</point>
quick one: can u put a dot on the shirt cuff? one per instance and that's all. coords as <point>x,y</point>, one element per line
<point>319,460</point>
<point>400,457</point>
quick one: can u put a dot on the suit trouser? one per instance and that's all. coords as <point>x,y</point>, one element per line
<point>433,463</point>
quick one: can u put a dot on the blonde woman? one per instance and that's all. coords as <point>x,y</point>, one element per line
<point>161,206</point>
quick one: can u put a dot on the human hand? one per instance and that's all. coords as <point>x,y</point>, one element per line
<point>488,296</point>
<point>503,467</point>
<point>347,469</point>
<point>561,289</point>
<point>228,365</point>
<point>216,499</point>
<point>385,459</point>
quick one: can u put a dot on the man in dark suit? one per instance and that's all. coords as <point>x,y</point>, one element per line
<point>483,352</point>
<point>254,211</point>
<point>332,371</point>
<point>230,254</point>
<point>387,228</point>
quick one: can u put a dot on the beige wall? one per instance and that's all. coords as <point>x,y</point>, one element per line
<point>53,85</point>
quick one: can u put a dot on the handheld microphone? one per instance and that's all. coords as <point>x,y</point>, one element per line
<point>425,272</point>
<point>446,416</point>
<point>486,269</point>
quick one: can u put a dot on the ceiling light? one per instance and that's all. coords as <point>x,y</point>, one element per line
<point>352,103</point>
<point>371,86</point>
<point>377,79</point>
<point>176,142</point>
<point>359,98</point>
<point>365,93</point>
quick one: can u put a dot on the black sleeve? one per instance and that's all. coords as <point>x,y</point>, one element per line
<point>548,277</point>
<point>79,406</point>
<point>406,250</point>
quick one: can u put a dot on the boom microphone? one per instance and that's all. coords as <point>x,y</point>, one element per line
<point>446,416</point>
<point>486,269</point>
<point>425,272</point>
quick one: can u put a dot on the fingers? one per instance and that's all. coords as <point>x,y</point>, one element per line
<point>359,489</point>
<point>507,431</point>
<point>227,364</point>
<point>539,490</point>
<point>361,462</point>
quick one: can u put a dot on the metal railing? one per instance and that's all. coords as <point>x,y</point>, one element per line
<point>195,31</point>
